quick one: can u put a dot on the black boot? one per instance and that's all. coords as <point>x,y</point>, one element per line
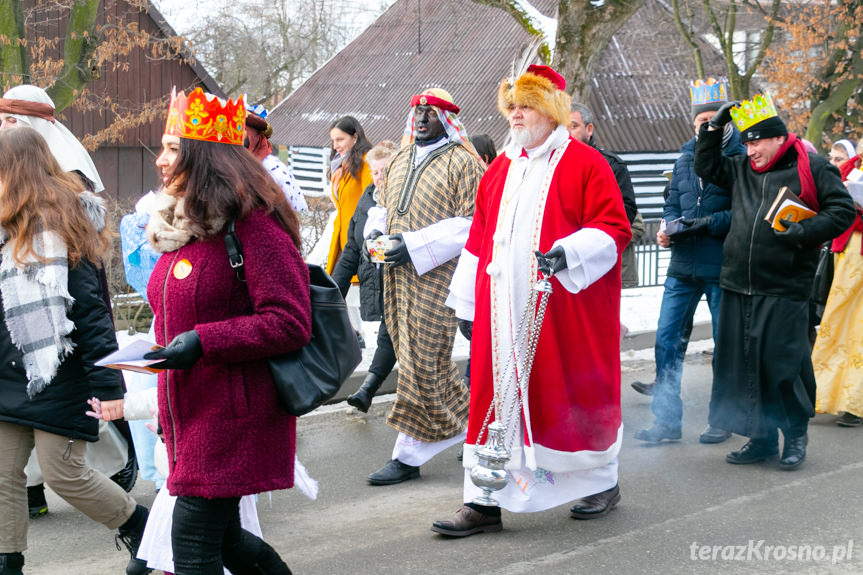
<point>793,452</point>
<point>362,399</point>
<point>11,563</point>
<point>130,536</point>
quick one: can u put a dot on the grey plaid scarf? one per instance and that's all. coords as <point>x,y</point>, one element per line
<point>35,301</point>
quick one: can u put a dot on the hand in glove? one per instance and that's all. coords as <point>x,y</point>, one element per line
<point>694,227</point>
<point>466,328</point>
<point>182,353</point>
<point>722,115</point>
<point>793,234</point>
<point>374,234</point>
<point>556,259</point>
<point>399,255</point>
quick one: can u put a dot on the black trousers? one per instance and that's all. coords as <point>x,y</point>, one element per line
<point>385,356</point>
<point>206,536</point>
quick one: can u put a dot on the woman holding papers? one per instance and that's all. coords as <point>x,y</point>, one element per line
<point>226,433</point>
<point>55,324</point>
<point>838,370</point>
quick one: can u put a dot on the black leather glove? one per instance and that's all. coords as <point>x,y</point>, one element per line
<point>694,227</point>
<point>556,259</point>
<point>398,256</point>
<point>794,233</point>
<point>466,328</point>
<point>182,353</point>
<point>374,234</point>
<point>722,115</point>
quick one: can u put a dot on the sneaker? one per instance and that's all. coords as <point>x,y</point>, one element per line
<point>36,503</point>
<point>130,534</point>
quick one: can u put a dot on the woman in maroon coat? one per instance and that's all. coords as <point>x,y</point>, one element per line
<point>226,433</point>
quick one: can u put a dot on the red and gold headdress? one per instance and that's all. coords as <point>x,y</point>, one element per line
<point>202,116</point>
<point>436,97</point>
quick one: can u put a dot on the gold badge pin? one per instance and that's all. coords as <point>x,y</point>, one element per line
<point>182,269</point>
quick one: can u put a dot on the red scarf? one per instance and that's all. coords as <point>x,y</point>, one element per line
<point>842,241</point>
<point>804,172</point>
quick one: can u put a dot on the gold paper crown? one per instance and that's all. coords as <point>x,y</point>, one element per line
<point>202,116</point>
<point>750,112</point>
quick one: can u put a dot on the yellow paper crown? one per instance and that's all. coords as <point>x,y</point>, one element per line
<point>750,112</point>
<point>202,116</point>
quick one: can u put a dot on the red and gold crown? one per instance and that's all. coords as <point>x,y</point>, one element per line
<point>202,116</point>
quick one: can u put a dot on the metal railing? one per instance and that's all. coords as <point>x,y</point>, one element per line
<point>652,260</point>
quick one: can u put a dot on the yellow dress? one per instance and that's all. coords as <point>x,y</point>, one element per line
<point>838,353</point>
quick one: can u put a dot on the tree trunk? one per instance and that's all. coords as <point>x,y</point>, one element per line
<point>14,67</point>
<point>78,47</point>
<point>824,110</point>
<point>583,33</point>
<point>584,29</point>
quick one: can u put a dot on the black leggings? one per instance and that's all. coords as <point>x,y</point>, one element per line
<point>206,536</point>
<point>385,356</point>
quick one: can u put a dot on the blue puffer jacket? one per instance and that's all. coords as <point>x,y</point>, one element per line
<point>690,197</point>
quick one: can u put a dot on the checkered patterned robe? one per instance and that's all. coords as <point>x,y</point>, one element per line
<point>431,398</point>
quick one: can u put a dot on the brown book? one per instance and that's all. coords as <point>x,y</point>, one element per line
<point>787,206</point>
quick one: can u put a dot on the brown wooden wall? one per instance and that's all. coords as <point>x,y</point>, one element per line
<point>127,172</point>
<point>126,166</point>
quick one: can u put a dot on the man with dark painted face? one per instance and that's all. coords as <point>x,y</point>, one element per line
<point>428,191</point>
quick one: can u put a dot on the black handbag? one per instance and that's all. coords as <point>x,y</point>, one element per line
<point>310,376</point>
<point>823,276</point>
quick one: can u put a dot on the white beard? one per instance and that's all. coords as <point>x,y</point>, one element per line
<point>524,137</point>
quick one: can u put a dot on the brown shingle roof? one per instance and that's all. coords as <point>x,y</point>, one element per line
<point>640,96</point>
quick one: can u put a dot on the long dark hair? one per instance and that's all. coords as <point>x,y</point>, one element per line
<point>484,146</point>
<point>354,162</point>
<point>220,182</point>
<point>38,195</point>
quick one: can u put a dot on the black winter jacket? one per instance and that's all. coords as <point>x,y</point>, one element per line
<point>755,261</point>
<point>689,197</point>
<point>623,179</point>
<point>60,407</point>
<point>354,262</point>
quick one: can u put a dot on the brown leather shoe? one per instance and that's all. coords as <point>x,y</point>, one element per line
<point>466,522</point>
<point>596,505</point>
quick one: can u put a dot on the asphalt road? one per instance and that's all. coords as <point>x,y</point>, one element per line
<point>684,510</point>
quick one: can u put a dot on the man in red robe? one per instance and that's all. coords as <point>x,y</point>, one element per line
<point>563,426</point>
